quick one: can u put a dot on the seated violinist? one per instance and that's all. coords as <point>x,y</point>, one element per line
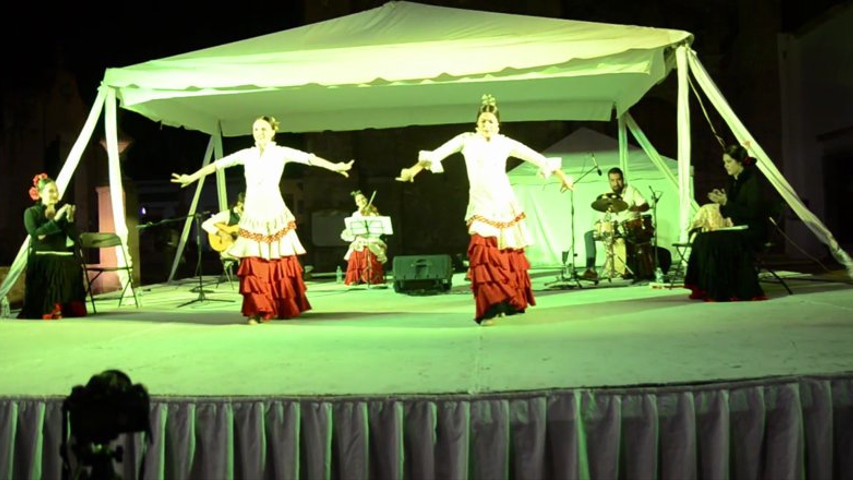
<point>728,233</point>
<point>366,252</point>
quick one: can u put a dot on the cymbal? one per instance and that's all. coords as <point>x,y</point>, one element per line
<point>609,202</point>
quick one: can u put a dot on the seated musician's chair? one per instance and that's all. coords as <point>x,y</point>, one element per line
<point>776,214</point>
<point>228,265</point>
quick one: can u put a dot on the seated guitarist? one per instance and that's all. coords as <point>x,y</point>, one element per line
<point>222,228</point>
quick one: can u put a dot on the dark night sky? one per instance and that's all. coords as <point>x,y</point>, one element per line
<point>85,41</point>
<point>89,39</point>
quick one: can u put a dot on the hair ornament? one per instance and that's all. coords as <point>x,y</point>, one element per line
<point>274,124</point>
<point>488,100</point>
<point>37,181</point>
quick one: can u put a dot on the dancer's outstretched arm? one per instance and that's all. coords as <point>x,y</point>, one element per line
<point>408,174</point>
<point>185,179</point>
<point>338,167</point>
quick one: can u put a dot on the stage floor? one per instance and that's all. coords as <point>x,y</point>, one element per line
<point>370,342</point>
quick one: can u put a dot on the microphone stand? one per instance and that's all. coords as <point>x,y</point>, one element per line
<point>197,217</point>
<point>201,297</point>
<point>572,270</point>
<point>659,277</point>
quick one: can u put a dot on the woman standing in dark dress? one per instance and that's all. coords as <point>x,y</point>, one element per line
<point>721,266</point>
<point>54,280</point>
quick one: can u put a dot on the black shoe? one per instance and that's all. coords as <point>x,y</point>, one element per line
<point>590,274</point>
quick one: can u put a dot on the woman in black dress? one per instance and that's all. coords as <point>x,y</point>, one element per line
<point>54,279</point>
<point>721,266</point>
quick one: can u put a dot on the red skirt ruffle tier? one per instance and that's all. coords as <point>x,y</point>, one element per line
<point>499,278</point>
<point>364,267</point>
<point>272,288</point>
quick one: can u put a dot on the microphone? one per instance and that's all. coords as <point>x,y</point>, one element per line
<point>595,162</point>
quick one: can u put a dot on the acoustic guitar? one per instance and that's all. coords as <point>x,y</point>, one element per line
<point>224,238</point>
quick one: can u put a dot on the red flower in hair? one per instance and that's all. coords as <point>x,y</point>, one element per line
<point>34,190</point>
<point>37,178</point>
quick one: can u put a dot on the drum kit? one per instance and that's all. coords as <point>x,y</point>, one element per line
<point>623,240</point>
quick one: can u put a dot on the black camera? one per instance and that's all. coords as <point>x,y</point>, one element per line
<point>109,405</point>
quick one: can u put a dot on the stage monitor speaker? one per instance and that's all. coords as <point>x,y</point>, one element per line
<point>422,273</point>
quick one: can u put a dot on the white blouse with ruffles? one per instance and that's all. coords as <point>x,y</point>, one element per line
<point>493,210</point>
<point>267,227</point>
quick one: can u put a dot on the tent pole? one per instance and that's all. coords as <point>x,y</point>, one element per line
<point>684,160</point>
<point>654,155</point>
<point>189,220</point>
<point>623,146</point>
<point>62,181</point>
<point>117,200</point>
<point>221,188</point>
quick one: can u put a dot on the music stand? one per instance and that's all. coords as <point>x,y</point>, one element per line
<point>370,227</point>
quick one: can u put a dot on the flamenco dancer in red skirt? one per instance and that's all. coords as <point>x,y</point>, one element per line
<point>267,245</point>
<point>497,264</point>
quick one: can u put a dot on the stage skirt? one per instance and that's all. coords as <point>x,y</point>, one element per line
<point>499,278</point>
<point>272,288</point>
<point>721,268</point>
<point>53,287</point>
<point>364,267</point>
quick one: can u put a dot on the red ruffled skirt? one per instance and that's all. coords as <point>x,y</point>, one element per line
<point>499,278</point>
<point>272,288</point>
<point>364,267</point>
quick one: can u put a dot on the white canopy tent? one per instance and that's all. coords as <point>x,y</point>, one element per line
<point>549,211</point>
<point>411,64</point>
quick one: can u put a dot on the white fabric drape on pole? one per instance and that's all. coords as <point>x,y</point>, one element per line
<point>683,121</point>
<point>62,181</point>
<point>774,176</point>
<point>116,188</point>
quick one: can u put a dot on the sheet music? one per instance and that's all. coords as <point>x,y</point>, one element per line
<point>370,226</point>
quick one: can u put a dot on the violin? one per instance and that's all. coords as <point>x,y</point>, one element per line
<point>369,209</point>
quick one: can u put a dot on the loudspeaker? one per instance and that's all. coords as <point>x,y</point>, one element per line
<point>422,273</point>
